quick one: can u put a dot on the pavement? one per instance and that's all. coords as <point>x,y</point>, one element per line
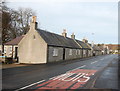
<point>100,72</point>
<point>14,65</point>
<point>109,75</point>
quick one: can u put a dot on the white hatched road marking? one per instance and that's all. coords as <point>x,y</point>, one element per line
<point>94,62</point>
<point>102,59</point>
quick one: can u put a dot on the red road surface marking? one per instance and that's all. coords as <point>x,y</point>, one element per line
<point>70,80</point>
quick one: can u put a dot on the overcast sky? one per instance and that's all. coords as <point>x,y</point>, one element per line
<point>97,21</point>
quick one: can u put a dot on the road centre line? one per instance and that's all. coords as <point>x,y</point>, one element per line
<point>77,68</point>
<point>94,62</point>
<point>29,85</point>
<point>102,59</point>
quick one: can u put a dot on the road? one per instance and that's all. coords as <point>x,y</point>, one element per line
<point>94,72</point>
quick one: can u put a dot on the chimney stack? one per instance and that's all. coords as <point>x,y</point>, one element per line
<point>33,19</point>
<point>64,33</point>
<point>33,23</point>
<point>73,36</point>
<point>85,40</point>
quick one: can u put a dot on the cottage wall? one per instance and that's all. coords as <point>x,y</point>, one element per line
<point>8,50</point>
<point>69,55</point>
<point>78,53</point>
<point>85,53</point>
<point>54,57</point>
<point>98,53</point>
<point>32,48</point>
<point>89,53</point>
<point>74,55</point>
<point>14,52</point>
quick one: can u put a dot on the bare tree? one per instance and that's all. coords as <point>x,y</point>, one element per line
<point>15,23</point>
<point>24,18</point>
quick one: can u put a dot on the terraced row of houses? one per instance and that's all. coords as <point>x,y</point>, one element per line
<point>40,46</point>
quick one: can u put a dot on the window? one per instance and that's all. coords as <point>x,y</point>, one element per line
<point>33,36</point>
<point>79,52</point>
<point>11,49</point>
<point>89,52</point>
<point>4,49</point>
<point>84,52</point>
<point>70,52</point>
<point>55,52</point>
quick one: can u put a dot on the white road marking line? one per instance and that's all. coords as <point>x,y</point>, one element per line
<point>71,70</point>
<point>77,68</point>
<point>102,59</point>
<point>29,85</point>
<point>94,62</point>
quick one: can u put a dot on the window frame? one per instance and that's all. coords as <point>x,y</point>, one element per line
<point>76,52</point>
<point>11,49</point>
<point>55,52</point>
<point>70,51</point>
<point>79,51</point>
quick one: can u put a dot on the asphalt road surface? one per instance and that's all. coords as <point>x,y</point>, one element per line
<point>87,73</point>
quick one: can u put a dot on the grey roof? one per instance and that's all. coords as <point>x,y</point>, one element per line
<point>83,45</point>
<point>96,48</point>
<point>15,41</point>
<point>57,40</point>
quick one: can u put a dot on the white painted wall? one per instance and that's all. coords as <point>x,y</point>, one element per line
<point>8,51</point>
<point>32,49</point>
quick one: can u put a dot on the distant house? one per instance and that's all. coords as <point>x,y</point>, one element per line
<point>39,46</point>
<point>90,52</point>
<point>113,48</point>
<point>11,47</point>
<point>96,50</point>
<point>105,49</point>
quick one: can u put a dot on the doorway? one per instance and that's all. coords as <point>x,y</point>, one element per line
<point>16,53</point>
<point>63,53</point>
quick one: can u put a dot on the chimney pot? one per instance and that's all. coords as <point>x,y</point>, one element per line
<point>73,36</point>
<point>85,40</point>
<point>64,33</point>
<point>33,19</point>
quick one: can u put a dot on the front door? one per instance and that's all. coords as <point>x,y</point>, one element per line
<point>63,53</point>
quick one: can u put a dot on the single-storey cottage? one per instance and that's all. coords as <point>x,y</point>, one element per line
<point>11,47</point>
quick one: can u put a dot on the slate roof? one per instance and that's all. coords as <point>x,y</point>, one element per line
<point>53,39</point>
<point>101,47</point>
<point>83,45</point>
<point>15,41</point>
<point>96,48</point>
<point>57,40</point>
